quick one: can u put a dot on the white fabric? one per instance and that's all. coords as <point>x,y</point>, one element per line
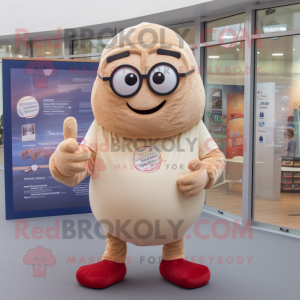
<point>121,189</point>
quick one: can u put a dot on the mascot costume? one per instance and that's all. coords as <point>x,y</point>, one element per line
<point>148,153</point>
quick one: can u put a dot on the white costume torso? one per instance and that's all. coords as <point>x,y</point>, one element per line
<point>134,184</point>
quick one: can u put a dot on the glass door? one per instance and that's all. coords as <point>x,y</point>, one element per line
<point>224,110</point>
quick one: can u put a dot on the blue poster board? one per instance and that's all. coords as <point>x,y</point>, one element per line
<point>38,94</point>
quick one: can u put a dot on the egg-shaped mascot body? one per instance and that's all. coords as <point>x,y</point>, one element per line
<point>148,154</point>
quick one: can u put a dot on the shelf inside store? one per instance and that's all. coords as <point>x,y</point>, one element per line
<point>290,169</point>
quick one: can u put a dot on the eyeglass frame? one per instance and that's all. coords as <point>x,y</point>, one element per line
<point>145,76</point>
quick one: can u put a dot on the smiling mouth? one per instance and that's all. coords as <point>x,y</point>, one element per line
<point>148,111</point>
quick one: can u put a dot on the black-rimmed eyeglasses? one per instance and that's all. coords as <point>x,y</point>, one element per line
<point>162,79</point>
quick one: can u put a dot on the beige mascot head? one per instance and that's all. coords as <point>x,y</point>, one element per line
<point>148,105</point>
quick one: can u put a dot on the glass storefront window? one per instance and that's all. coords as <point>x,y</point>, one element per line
<point>224,30</point>
<point>278,19</point>
<point>224,118</point>
<point>90,46</point>
<point>1,118</point>
<point>277,132</point>
<point>187,33</point>
<point>48,48</point>
<point>13,51</point>
<point>88,58</point>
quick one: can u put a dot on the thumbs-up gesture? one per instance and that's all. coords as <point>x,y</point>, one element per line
<point>194,182</point>
<point>69,158</point>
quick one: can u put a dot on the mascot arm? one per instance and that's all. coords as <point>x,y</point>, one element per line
<point>76,173</point>
<point>206,170</point>
<point>214,163</point>
<point>193,183</point>
<point>70,163</point>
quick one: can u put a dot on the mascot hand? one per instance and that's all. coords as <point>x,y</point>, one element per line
<point>69,157</point>
<point>194,182</point>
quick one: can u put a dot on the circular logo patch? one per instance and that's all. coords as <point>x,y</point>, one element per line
<point>147,159</point>
<point>28,107</point>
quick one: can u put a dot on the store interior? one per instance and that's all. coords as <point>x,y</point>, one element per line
<point>277,68</point>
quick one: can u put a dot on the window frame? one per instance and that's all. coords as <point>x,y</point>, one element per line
<point>202,48</point>
<point>248,201</point>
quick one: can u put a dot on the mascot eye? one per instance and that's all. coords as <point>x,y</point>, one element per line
<point>131,79</point>
<point>163,79</point>
<point>158,78</point>
<point>125,81</point>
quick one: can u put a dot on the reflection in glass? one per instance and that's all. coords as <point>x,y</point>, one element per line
<point>277,132</point>
<point>88,58</point>
<point>187,33</point>
<point>15,51</point>
<point>48,48</point>
<point>224,30</point>
<point>278,19</point>
<point>89,46</point>
<point>224,118</point>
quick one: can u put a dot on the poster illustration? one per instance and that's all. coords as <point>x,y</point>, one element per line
<point>216,99</point>
<point>224,119</point>
<point>235,125</point>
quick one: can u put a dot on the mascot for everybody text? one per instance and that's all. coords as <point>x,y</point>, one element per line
<point>148,152</point>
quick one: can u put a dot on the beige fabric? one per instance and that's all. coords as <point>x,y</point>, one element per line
<point>194,182</point>
<point>126,192</point>
<point>173,251</point>
<point>214,162</point>
<point>70,163</point>
<point>74,179</point>
<point>184,107</point>
<point>70,128</point>
<point>123,192</point>
<point>116,249</point>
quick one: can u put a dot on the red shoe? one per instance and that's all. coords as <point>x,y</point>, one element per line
<point>186,274</point>
<point>101,275</point>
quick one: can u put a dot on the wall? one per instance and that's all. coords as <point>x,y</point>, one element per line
<point>35,16</point>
